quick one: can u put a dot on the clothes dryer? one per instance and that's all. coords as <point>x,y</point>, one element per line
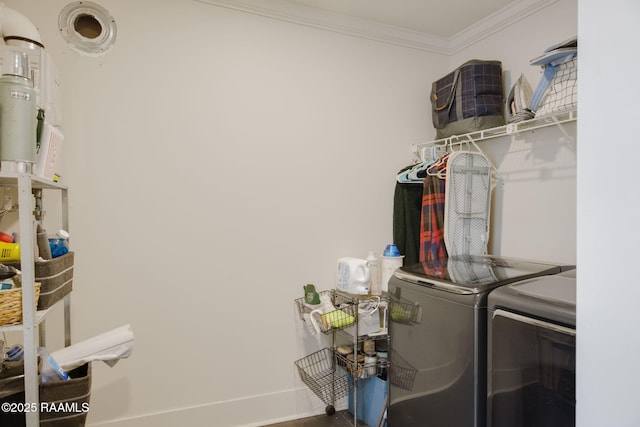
<point>438,333</point>
<point>532,353</point>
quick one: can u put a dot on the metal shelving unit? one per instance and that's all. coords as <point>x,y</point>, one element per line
<point>326,372</point>
<point>32,326</point>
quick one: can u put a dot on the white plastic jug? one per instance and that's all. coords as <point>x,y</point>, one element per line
<point>353,276</point>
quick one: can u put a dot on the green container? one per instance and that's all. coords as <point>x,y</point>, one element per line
<point>18,112</point>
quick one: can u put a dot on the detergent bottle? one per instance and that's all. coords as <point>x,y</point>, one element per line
<point>9,251</point>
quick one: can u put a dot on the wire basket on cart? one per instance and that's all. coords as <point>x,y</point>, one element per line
<point>404,311</point>
<point>401,373</point>
<point>341,316</point>
<point>321,374</point>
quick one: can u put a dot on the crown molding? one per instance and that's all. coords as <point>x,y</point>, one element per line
<point>357,27</point>
<point>496,22</point>
<point>335,22</point>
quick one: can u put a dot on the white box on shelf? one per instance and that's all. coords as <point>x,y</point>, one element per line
<point>48,157</point>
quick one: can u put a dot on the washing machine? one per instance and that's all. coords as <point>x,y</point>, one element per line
<point>532,353</point>
<point>438,333</point>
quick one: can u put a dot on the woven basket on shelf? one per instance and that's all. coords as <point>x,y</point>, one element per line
<point>11,305</point>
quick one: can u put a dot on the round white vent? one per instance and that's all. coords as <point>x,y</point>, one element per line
<point>87,27</point>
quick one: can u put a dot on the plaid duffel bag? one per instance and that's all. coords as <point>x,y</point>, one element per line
<point>468,99</point>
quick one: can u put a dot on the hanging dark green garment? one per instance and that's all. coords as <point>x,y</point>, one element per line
<point>407,206</point>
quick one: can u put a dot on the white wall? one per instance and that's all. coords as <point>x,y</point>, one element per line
<point>608,293</point>
<point>218,161</point>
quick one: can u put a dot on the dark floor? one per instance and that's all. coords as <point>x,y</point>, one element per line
<point>339,419</point>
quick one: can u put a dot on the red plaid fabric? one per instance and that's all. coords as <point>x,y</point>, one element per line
<point>432,246</point>
<point>437,268</point>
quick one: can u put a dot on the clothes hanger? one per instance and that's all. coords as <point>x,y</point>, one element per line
<point>417,173</point>
<point>403,177</point>
<point>429,156</point>
<point>441,153</point>
<point>439,167</point>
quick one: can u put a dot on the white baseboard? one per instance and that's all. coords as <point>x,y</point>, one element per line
<point>251,411</point>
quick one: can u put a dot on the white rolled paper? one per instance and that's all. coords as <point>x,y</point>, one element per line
<point>109,347</point>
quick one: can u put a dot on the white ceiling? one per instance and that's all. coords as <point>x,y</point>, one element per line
<point>440,18</point>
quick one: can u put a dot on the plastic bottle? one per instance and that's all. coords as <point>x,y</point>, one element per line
<point>50,370</point>
<point>59,245</point>
<point>15,353</point>
<point>374,272</point>
<point>64,235</point>
<point>391,260</point>
<point>9,251</point>
<point>371,362</point>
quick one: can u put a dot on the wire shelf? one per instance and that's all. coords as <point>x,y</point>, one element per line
<point>360,368</point>
<point>497,132</point>
<point>319,372</point>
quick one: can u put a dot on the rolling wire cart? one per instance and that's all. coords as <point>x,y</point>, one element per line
<point>332,375</point>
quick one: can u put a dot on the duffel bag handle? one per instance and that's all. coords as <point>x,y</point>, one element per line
<point>452,93</point>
